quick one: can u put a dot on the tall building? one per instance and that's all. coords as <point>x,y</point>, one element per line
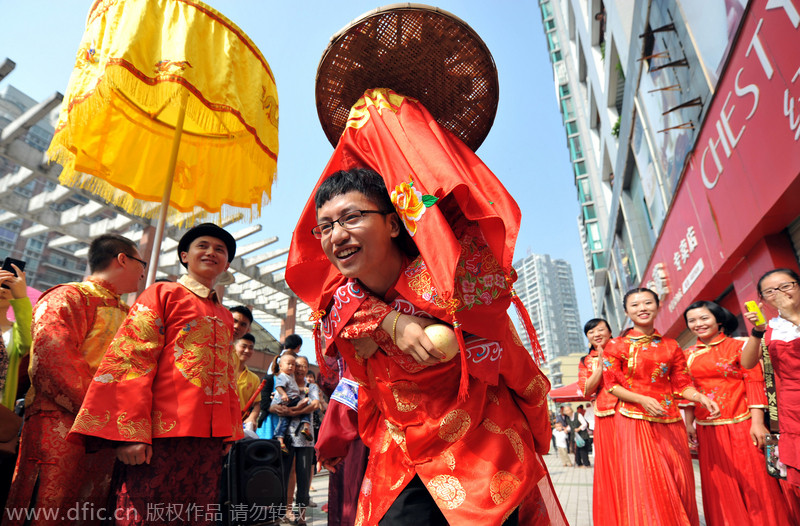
<point>682,121</point>
<point>547,290</point>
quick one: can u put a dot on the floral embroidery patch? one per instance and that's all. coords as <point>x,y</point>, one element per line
<point>410,204</point>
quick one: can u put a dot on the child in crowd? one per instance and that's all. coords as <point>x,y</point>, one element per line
<point>561,444</point>
<point>288,394</point>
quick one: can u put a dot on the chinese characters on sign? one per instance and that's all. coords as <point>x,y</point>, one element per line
<point>685,248</point>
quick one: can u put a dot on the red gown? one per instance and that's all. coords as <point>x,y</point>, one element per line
<point>655,469</point>
<point>607,509</point>
<point>72,327</point>
<point>480,458</point>
<point>783,342</point>
<point>736,486</point>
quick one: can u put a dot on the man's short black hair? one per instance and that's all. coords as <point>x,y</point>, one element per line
<point>249,337</point>
<point>363,180</point>
<point>103,249</point>
<point>292,341</point>
<point>244,311</point>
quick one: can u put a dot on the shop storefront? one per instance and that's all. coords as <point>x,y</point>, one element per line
<point>736,212</point>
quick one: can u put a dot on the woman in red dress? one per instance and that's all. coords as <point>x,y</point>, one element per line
<point>645,371</point>
<point>606,504</point>
<point>736,486</point>
<point>780,289</point>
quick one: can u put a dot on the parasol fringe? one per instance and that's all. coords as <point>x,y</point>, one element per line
<point>82,111</point>
<point>147,209</point>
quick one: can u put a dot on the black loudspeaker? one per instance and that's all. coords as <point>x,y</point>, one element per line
<point>253,491</point>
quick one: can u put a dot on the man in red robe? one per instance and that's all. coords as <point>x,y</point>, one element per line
<point>72,327</point>
<point>455,441</point>
<point>165,393</point>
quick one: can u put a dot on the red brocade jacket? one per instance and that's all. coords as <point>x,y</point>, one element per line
<point>477,457</point>
<point>168,373</point>
<point>717,372</point>
<point>648,365</point>
<point>606,402</point>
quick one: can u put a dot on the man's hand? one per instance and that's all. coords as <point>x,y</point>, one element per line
<point>412,340</point>
<point>280,410</point>
<point>135,453</point>
<point>329,464</point>
<point>365,347</point>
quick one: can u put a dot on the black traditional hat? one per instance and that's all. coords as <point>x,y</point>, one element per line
<point>207,229</point>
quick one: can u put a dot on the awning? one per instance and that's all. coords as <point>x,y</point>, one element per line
<point>568,393</point>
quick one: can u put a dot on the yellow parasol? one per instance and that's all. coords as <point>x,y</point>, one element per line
<point>163,92</point>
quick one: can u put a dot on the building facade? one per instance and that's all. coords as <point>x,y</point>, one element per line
<point>683,127</point>
<point>547,290</point>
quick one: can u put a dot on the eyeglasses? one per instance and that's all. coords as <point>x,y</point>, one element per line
<point>783,287</point>
<point>144,263</point>
<point>347,221</point>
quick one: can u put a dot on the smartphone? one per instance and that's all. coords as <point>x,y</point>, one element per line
<point>752,306</point>
<point>7,266</point>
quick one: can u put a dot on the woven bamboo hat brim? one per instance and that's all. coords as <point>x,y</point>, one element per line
<point>418,51</point>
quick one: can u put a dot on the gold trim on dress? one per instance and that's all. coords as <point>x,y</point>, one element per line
<point>159,426</point>
<point>639,416</point>
<point>734,420</point>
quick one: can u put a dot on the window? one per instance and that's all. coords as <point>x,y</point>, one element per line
<point>588,212</point>
<point>547,10</point>
<point>593,235</point>
<point>584,191</point>
<point>575,148</point>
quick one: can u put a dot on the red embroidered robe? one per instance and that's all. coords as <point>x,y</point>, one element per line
<point>168,372</point>
<point>72,327</point>
<point>478,458</point>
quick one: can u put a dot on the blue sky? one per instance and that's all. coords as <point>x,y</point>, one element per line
<point>526,147</point>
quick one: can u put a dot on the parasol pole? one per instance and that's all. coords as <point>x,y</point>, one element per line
<point>162,216</point>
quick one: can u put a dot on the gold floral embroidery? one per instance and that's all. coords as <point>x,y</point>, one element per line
<point>516,443</point>
<point>502,485</point>
<point>61,429</point>
<point>449,459</point>
<point>513,437</point>
<point>398,483</point>
<point>536,389</point>
<point>397,435</point>
<point>407,396</point>
<point>420,281</point>
<point>454,425</point>
<point>447,491</point>
<point>133,430</point>
<point>387,440</point>
<point>86,422</point>
<point>159,426</point>
<point>492,396</point>
<point>514,334</point>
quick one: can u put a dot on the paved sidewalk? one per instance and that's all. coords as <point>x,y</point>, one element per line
<point>573,487</point>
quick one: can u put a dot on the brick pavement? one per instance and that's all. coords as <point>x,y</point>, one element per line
<point>573,487</point>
